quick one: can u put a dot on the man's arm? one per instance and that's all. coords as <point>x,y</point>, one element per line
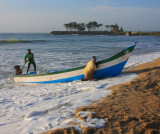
<point>96,63</point>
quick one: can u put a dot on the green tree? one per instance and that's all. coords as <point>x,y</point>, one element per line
<point>71,26</point>
<point>92,25</point>
<point>81,27</point>
<point>67,26</point>
<point>88,26</point>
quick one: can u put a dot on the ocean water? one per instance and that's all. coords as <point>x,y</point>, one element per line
<point>29,109</point>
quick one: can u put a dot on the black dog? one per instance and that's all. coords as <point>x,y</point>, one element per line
<point>18,70</point>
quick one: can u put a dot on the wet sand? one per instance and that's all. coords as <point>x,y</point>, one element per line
<point>131,108</point>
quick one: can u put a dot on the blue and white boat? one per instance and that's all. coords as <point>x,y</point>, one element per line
<point>110,67</point>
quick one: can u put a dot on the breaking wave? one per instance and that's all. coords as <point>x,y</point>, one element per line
<point>12,41</point>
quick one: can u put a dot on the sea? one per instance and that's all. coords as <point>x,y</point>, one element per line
<point>33,109</point>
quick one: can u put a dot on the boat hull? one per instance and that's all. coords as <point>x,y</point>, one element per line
<point>106,68</point>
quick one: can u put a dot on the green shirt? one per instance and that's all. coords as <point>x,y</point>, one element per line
<point>29,57</point>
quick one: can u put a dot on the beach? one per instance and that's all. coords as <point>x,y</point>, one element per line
<point>34,109</point>
<point>132,107</point>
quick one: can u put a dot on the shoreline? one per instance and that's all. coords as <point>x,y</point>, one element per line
<point>132,107</point>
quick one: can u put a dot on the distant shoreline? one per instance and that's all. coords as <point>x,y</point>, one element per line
<point>129,33</point>
<point>85,33</point>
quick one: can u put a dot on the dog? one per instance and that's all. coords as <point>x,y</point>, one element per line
<point>18,70</point>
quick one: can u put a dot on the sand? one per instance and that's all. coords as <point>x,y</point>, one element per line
<point>131,108</point>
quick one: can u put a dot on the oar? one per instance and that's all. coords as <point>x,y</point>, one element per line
<point>24,65</point>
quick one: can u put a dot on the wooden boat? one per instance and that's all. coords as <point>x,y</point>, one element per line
<point>106,68</point>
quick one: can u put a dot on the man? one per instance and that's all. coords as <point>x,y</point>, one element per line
<point>30,58</point>
<point>89,69</point>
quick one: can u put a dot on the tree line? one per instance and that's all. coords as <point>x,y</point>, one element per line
<point>91,26</point>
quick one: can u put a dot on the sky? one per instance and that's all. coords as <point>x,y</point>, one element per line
<point>44,16</point>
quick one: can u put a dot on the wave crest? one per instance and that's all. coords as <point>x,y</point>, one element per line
<point>12,41</point>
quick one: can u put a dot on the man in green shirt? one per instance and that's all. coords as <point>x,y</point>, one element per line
<point>30,58</point>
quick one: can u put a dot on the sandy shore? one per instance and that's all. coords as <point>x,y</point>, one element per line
<point>131,108</point>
